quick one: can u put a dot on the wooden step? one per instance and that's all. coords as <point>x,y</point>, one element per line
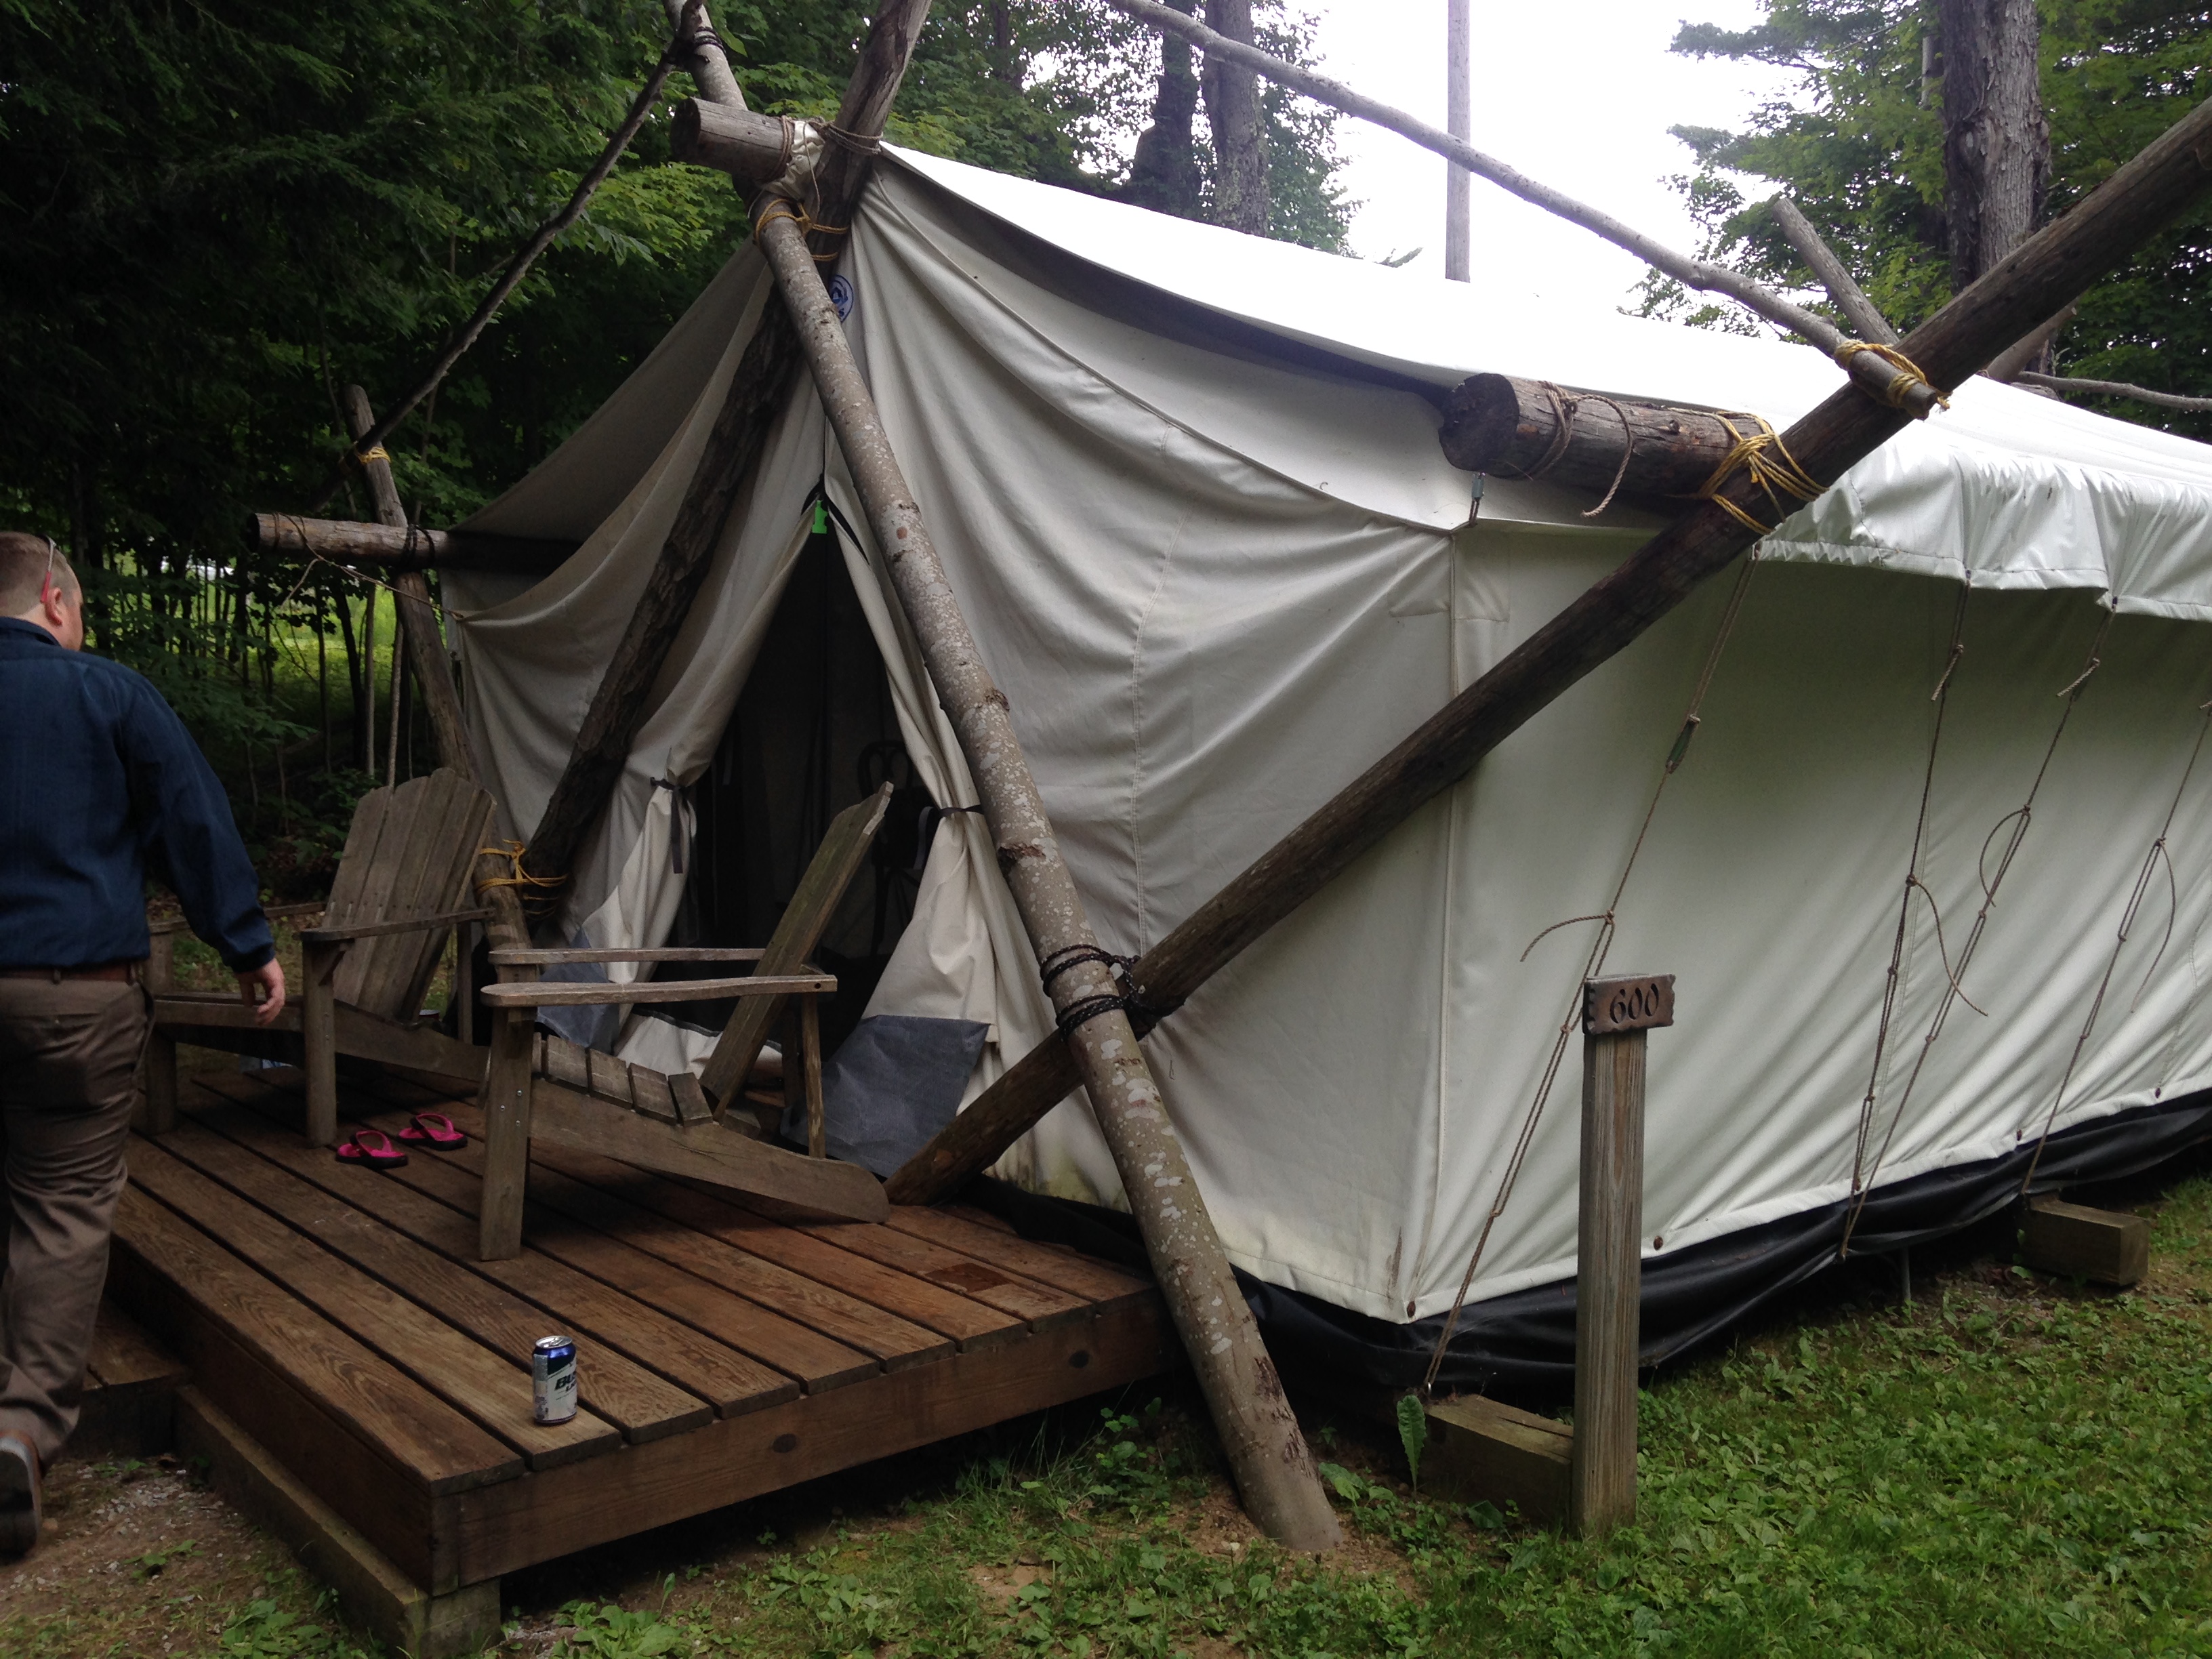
<point>131,1383</point>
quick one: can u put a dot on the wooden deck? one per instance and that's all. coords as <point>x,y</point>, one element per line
<point>337,1313</point>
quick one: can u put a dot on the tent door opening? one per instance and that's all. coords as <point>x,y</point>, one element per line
<point>813,731</point>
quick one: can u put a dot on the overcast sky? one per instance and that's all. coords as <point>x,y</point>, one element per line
<point>1578,94</point>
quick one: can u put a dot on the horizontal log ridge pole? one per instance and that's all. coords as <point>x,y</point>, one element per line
<point>2052,267</point>
<point>1516,428</point>
<point>402,546</point>
<point>1870,370</point>
<point>757,391</point>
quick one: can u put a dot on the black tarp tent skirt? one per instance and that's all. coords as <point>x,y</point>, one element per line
<point>1522,1346</point>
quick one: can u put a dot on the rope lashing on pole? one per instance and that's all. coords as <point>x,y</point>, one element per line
<point>1900,393</point>
<point>2019,818</point>
<point>1755,454</point>
<point>1593,963</point>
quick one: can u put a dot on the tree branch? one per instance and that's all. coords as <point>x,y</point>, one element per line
<point>2116,389</point>
<point>1851,299</point>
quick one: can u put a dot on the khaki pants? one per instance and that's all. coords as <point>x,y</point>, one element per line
<point>69,1058</point>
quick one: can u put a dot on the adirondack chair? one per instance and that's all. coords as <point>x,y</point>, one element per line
<point>402,887</point>
<point>542,1086</point>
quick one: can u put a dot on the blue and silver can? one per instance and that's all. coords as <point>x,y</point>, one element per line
<point>553,1379</point>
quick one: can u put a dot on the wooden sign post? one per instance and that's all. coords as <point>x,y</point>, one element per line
<point>1608,1272</point>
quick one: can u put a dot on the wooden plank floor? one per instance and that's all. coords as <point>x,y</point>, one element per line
<point>726,1347</point>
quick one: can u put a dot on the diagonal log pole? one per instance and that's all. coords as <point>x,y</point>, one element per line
<point>2053,266</point>
<point>1274,1471</point>
<point>755,398</point>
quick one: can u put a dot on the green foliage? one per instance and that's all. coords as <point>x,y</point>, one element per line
<point>1860,152</point>
<point>2015,1467</point>
<point>605,1631</point>
<point>262,1630</point>
<point>1412,1435</point>
<point>214,216</point>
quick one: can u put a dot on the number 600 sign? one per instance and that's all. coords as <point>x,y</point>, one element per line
<point>1634,1004</point>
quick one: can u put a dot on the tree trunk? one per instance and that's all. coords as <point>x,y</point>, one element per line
<point>1232,110</point>
<point>1164,174</point>
<point>1997,142</point>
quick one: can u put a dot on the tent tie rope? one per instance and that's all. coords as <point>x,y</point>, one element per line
<point>513,851</point>
<point>1767,459</point>
<point>2020,819</point>
<point>1595,962</point>
<point>1143,1013</point>
<point>1899,391</point>
<point>784,208</point>
<point>2158,855</point>
<point>355,460</point>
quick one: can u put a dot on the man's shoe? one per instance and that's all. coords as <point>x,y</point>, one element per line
<point>20,1507</point>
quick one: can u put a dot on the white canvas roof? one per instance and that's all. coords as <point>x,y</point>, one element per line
<point>1186,486</point>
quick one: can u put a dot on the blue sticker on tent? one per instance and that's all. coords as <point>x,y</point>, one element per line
<point>841,295</point>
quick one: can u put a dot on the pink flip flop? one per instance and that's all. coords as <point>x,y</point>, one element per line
<point>372,1147</point>
<point>436,1131</point>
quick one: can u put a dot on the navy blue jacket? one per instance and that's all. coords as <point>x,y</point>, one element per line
<point>99,783</point>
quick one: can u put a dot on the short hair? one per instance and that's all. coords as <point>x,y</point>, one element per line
<point>23,570</point>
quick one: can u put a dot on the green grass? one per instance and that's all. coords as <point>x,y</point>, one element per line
<point>2011,1466</point>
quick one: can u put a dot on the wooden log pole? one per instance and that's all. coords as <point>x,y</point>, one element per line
<point>2053,266</point>
<point>1273,1470</point>
<point>750,146</point>
<point>401,547</point>
<point>1511,428</point>
<point>757,395</point>
<point>1618,1016</point>
<point>1879,376</point>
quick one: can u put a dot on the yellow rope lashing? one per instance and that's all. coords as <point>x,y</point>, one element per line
<point>513,851</point>
<point>1898,391</point>
<point>784,208</point>
<point>1772,468</point>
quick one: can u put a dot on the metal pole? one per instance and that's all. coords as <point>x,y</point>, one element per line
<point>1459,121</point>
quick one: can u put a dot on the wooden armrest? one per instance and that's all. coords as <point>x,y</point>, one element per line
<point>516,956</point>
<point>378,929</point>
<point>564,993</point>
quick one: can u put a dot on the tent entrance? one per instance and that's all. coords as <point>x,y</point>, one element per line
<point>814,730</point>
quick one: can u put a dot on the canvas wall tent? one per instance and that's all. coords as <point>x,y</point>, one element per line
<point>1188,488</point>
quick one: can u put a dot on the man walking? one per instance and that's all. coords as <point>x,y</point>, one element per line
<point>99,783</point>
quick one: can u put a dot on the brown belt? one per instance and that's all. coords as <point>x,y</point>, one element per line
<point>125,971</point>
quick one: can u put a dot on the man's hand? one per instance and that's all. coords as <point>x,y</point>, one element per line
<point>262,989</point>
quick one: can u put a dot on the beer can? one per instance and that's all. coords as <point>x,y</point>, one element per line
<point>553,1379</point>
